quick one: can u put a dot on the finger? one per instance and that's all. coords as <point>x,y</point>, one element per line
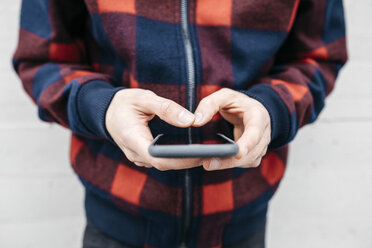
<point>249,139</point>
<point>136,158</point>
<point>137,139</point>
<point>168,110</point>
<point>256,151</point>
<point>227,163</point>
<point>254,157</point>
<point>218,163</point>
<point>264,151</point>
<point>267,140</point>
<point>175,163</point>
<point>260,149</point>
<point>143,164</point>
<point>250,159</point>
<point>130,155</point>
<point>207,164</point>
<point>210,105</point>
<point>256,125</point>
<point>161,163</point>
<point>139,144</point>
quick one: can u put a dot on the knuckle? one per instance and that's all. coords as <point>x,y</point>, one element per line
<point>263,115</point>
<point>147,93</point>
<point>132,94</point>
<point>161,167</point>
<point>158,165</point>
<point>130,157</point>
<point>232,94</point>
<point>152,161</point>
<point>123,94</point>
<point>268,138</point>
<point>264,152</point>
<point>138,164</point>
<point>225,91</point>
<point>165,107</point>
<point>252,158</point>
<point>258,155</point>
<point>206,101</point>
<point>123,149</point>
<point>257,162</point>
<point>208,104</point>
<point>142,95</point>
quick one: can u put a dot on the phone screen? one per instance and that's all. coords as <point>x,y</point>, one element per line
<point>166,139</point>
<point>168,147</point>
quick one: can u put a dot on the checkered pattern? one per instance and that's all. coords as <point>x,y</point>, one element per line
<point>73,55</point>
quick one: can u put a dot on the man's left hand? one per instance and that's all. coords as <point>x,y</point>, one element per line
<point>252,128</point>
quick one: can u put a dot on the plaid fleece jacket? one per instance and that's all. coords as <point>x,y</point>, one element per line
<point>73,55</point>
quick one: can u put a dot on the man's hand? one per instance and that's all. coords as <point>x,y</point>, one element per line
<point>252,128</point>
<point>126,120</point>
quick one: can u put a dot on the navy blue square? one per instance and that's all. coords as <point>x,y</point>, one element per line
<point>44,77</point>
<point>109,54</point>
<point>334,21</point>
<point>35,18</point>
<point>159,52</point>
<point>251,49</point>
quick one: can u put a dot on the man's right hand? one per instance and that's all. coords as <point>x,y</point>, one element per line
<point>127,120</point>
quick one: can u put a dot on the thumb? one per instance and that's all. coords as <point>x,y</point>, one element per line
<point>171,112</point>
<point>210,105</point>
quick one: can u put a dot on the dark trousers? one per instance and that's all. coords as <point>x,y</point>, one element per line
<point>93,238</point>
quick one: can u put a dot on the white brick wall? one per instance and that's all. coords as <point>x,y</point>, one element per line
<point>41,200</point>
<point>325,199</point>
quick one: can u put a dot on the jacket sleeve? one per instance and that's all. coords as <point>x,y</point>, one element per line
<point>51,61</point>
<point>304,70</point>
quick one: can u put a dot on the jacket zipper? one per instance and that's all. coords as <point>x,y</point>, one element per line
<point>187,187</point>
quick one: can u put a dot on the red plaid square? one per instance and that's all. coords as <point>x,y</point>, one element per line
<point>213,13</point>
<point>218,198</point>
<point>126,6</point>
<point>128,184</point>
<point>64,52</point>
<point>272,168</point>
<point>297,91</point>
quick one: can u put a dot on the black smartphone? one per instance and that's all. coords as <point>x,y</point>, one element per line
<point>228,148</point>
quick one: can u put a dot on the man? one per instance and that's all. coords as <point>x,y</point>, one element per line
<point>119,72</point>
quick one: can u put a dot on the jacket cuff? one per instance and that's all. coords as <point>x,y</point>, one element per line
<point>279,115</point>
<point>92,100</point>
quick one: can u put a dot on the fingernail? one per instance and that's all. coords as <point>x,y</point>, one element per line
<point>215,164</point>
<point>185,117</point>
<point>198,118</point>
